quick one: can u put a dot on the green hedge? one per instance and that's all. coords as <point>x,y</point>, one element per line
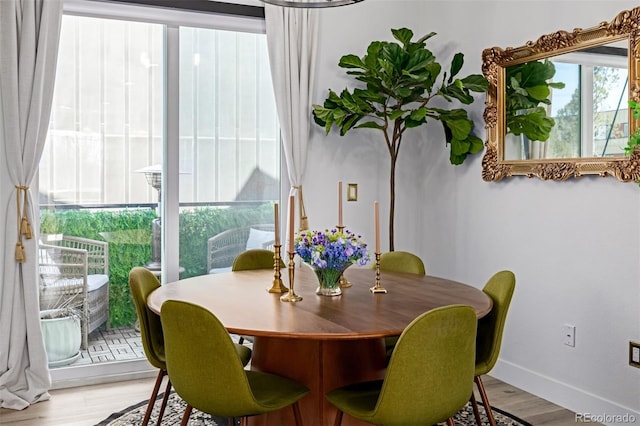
<point>130,241</point>
<point>200,224</point>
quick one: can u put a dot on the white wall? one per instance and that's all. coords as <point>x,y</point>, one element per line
<point>574,246</point>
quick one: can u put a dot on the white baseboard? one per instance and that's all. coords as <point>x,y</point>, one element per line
<point>591,407</point>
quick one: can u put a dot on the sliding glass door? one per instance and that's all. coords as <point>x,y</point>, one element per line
<point>162,136</point>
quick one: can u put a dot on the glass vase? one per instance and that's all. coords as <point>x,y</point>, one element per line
<point>329,280</point>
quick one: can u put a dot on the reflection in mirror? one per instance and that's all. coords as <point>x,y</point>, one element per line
<point>586,90</point>
<point>529,90</point>
<point>558,107</point>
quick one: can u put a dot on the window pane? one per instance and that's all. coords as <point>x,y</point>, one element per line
<point>106,119</point>
<point>564,141</point>
<point>229,139</point>
<point>106,124</point>
<point>594,97</point>
<point>610,111</point>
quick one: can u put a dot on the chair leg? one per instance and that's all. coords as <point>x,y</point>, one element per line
<point>186,415</point>
<point>476,412</point>
<point>296,413</point>
<point>450,421</point>
<point>85,334</point>
<point>154,395</point>
<point>167,391</point>
<point>338,420</point>
<point>485,400</point>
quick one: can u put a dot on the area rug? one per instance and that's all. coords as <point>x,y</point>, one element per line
<point>175,408</point>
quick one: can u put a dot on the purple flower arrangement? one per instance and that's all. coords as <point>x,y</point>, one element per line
<point>331,249</point>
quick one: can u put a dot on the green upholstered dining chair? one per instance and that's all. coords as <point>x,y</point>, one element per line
<point>142,282</point>
<point>500,288</point>
<point>207,373</point>
<point>429,377</point>
<point>399,261</point>
<point>254,259</point>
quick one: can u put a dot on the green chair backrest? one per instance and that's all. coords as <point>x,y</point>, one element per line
<point>254,259</point>
<point>401,261</point>
<point>430,374</point>
<point>500,288</point>
<point>142,282</point>
<point>208,374</point>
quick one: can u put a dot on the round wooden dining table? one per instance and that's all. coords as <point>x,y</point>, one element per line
<point>322,342</point>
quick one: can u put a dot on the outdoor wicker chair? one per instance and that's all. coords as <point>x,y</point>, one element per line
<point>75,272</point>
<point>223,248</point>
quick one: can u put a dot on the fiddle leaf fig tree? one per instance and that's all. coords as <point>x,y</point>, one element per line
<point>399,83</point>
<point>529,85</point>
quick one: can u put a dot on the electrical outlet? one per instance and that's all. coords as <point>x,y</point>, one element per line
<point>634,354</point>
<point>570,335</point>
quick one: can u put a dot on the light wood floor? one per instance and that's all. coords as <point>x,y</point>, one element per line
<point>88,405</point>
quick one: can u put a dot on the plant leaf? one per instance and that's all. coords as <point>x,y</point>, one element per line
<point>456,160</point>
<point>460,129</point>
<point>419,60</point>
<point>348,102</point>
<point>456,65</point>
<point>351,61</point>
<point>533,123</point>
<point>540,93</point>
<point>425,38</point>
<point>476,144</point>
<point>475,83</point>
<point>395,114</point>
<point>557,85</point>
<point>369,125</point>
<point>403,35</point>
<point>322,115</point>
<point>373,52</point>
<point>418,114</point>
<point>349,123</point>
<point>455,91</point>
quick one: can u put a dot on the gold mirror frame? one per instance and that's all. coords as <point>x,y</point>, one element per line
<point>494,61</point>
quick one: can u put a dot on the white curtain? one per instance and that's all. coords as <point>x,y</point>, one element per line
<point>292,35</point>
<point>29,36</point>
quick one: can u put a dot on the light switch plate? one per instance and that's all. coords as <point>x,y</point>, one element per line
<point>634,354</point>
<point>352,192</point>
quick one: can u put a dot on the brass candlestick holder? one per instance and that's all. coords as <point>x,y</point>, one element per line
<point>291,296</point>
<point>378,288</point>
<point>344,283</point>
<point>278,286</point>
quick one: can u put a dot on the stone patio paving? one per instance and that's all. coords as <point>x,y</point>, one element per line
<point>115,344</point>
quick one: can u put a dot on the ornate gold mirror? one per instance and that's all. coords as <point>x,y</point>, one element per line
<point>558,107</point>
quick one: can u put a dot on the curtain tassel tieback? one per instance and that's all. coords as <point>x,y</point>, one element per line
<point>304,221</point>
<point>20,252</point>
<point>24,227</point>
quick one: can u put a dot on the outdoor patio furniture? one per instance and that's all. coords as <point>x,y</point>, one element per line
<point>223,248</point>
<point>74,272</point>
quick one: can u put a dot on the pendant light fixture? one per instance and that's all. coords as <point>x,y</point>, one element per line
<point>311,3</point>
